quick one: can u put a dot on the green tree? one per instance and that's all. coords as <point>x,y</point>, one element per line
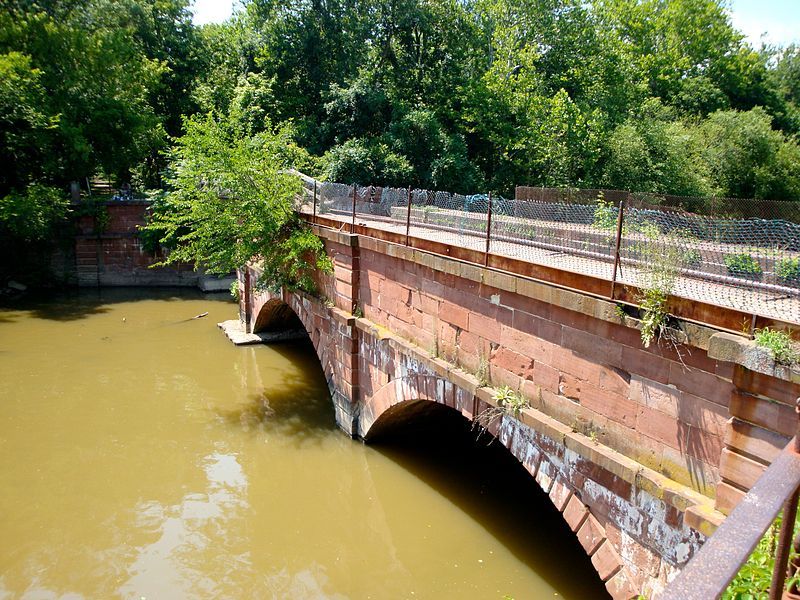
<point>231,200</point>
<point>747,158</point>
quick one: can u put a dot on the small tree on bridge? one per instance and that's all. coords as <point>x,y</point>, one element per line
<point>230,202</point>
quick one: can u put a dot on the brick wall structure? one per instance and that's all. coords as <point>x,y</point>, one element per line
<point>643,451</point>
<point>112,253</point>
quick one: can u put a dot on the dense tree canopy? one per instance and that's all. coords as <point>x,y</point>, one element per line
<point>653,95</point>
<point>465,95</point>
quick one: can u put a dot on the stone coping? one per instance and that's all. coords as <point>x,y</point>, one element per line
<point>745,352</point>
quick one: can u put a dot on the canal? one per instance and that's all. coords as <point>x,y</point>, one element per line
<point>144,456</point>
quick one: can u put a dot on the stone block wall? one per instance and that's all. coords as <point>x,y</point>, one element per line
<point>113,254</point>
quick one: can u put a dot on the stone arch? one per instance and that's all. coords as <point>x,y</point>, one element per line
<point>276,315</point>
<point>282,311</point>
<point>410,397</point>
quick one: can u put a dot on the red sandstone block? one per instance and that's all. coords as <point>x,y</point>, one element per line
<point>575,513</point>
<point>469,342</point>
<point>606,561</point>
<point>701,384</point>
<point>537,326</point>
<point>465,403</point>
<point>660,397</point>
<point>592,347</point>
<point>396,292</point>
<point>545,474</point>
<point>738,469</point>
<point>569,386</point>
<point>613,406</point>
<point>468,361</point>
<point>484,327</point>
<point>661,427</point>
<point>775,416</point>
<point>373,281</point>
<point>646,364</point>
<point>344,290</point>
<point>500,377</point>
<point>343,274</point>
<point>703,414</point>
<point>614,380</point>
<point>526,345</point>
<point>512,362</point>
<point>546,376</point>
<point>569,318</point>
<point>621,587</point>
<point>703,445</point>
<point>755,441</point>
<point>454,314</point>
<point>567,362</point>
<point>725,370</point>
<point>765,385</point>
<point>591,535</point>
<point>727,498</point>
<point>521,303</point>
<point>560,494</point>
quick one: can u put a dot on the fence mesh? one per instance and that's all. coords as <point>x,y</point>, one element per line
<point>741,254</point>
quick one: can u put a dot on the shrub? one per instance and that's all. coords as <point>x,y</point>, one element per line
<point>788,270</point>
<point>742,265</point>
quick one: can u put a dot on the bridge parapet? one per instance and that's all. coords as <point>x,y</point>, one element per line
<point>643,450</point>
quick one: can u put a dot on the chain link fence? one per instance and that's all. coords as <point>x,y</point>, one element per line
<point>741,254</point>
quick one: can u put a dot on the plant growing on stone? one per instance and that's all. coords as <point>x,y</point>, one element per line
<point>511,402</point>
<point>483,370</point>
<point>656,280</point>
<point>779,344</point>
<point>508,402</point>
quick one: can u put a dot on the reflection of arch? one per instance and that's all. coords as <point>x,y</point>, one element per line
<point>404,400</point>
<point>276,315</point>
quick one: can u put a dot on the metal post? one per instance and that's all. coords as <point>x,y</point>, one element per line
<point>314,211</point>
<point>780,569</point>
<point>616,247</point>
<point>408,216</point>
<point>353,224</point>
<point>784,541</point>
<point>488,229</point>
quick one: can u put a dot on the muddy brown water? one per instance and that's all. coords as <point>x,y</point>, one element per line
<point>144,456</point>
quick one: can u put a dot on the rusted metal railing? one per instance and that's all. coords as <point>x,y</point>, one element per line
<point>711,570</point>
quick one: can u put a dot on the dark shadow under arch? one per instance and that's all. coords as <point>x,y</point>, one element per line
<point>276,316</point>
<point>481,476</point>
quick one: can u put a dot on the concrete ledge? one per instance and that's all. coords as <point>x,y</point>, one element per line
<point>745,352</point>
<point>234,330</point>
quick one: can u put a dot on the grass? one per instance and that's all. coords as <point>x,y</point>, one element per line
<point>780,345</point>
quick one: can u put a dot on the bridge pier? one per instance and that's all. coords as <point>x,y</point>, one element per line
<point>643,451</point>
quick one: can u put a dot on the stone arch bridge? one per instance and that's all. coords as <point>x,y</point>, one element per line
<point>644,451</point>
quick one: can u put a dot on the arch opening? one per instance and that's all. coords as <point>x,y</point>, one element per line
<point>484,479</point>
<point>275,316</point>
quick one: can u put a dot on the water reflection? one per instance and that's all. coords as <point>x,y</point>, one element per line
<point>173,566</point>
